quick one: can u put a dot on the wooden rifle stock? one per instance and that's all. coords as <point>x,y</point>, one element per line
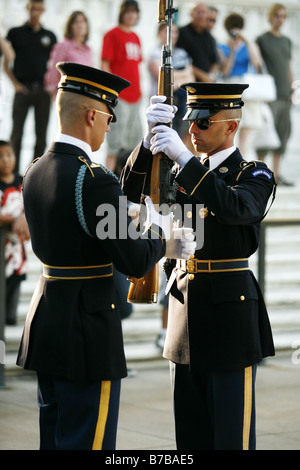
<point>145,289</point>
<point>161,11</point>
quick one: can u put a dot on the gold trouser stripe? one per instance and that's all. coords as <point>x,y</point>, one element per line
<point>102,416</point>
<point>247,407</point>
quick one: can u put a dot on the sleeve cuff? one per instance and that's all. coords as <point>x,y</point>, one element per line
<point>184,158</point>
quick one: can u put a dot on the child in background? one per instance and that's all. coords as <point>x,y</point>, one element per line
<point>12,214</point>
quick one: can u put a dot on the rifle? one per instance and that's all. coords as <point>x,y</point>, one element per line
<point>145,289</point>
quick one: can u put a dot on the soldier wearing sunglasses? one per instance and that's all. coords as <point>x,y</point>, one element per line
<point>218,326</point>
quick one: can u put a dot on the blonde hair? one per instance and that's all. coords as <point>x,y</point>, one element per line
<point>68,106</point>
<point>274,9</point>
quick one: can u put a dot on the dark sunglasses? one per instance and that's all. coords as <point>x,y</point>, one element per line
<point>204,124</point>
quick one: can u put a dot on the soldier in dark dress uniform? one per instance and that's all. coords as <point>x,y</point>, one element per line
<point>218,326</point>
<point>72,335</point>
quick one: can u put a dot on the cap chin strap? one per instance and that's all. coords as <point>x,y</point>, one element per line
<point>84,88</point>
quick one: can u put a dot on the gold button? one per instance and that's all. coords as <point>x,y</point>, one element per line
<point>242,297</point>
<point>203,212</point>
<point>192,256</point>
<point>191,277</point>
<point>189,214</point>
<point>113,306</point>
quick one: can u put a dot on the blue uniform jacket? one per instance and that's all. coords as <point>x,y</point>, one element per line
<point>217,321</point>
<point>73,327</point>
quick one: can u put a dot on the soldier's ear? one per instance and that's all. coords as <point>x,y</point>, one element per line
<point>232,127</point>
<point>90,117</point>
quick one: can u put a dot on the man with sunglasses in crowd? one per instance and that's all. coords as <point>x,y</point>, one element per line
<point>218,326</point>
<point>74,208</point>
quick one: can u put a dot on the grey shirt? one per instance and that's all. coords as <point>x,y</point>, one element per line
<point>276,52</point>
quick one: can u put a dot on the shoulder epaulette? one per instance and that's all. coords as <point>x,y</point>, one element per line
<point>93,165</point>
<point>260,169</point>
<point>245,165</point>
<point>29,166</point>
<point>97,165</point>
<point>88,165</point>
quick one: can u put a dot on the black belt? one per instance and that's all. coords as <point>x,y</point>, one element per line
<point>77,272</point>
<point>195,266</point>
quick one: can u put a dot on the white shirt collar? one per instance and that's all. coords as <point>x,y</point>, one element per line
<point>68,139</point>
<point>217,158</point>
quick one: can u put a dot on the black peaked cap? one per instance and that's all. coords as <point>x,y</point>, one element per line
<point>93,83</point>
<point>207,99</point>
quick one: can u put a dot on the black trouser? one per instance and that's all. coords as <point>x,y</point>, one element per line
<point>214,410</point>
<point>41,101</point>
<point>77,415</point>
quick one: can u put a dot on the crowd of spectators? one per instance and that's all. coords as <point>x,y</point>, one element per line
<point>30,53</point>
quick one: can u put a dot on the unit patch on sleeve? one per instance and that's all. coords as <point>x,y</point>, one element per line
<point>262,172</point>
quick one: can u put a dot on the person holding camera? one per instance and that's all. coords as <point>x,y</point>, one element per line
<point>239,56</point>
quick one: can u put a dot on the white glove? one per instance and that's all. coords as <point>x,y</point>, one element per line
<point>167,140</point>
<point>134,211</point>
<point>157,113</point>
<point>181,245</point>
<point>179,241</point>
<point>165,222</point>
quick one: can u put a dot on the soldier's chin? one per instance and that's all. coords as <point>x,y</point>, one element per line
<point>197,145</point>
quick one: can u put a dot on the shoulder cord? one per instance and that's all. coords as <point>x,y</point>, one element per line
<point>106,170</point>
<point>78,190</point>
<point>274,186</point>
<point>78,199</point>
<point>273,196</point>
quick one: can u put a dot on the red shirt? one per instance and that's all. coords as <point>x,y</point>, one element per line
<point>11,203</point>
<point>123,52</point>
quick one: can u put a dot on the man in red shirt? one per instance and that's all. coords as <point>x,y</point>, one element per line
<point>121,55</point>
